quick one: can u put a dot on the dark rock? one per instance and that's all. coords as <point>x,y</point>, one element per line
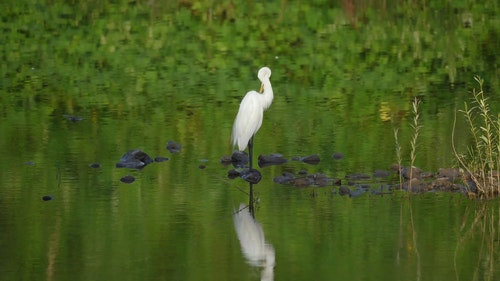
<point>442,184</point>
<point>173,147</point>
<point>95,165</point>
<point>311,159</point>
<point>135,159</point>
<point>426,175</point>
<point>336,181</point>
<point>363,186</point>
<point>321,182</point>
<point>338,156</point>
<point>318,176</point>
<point>408,173</point>
<point>357,176</point>
<point>396,168</point>
<point>232,174</point>
<point>358,191</point>
<point>161,159</point>
<point>319,179</point>
<point>127,179</point>
<point>73,118</point>
<point>450,173</point>
<point>381,174</point>
<point>271,159</point>
<point>302,182</point>
<point>225,160</point>
<point>344,190</point>
<point>239,158</point>
<point>286,177</point>
<point>380,191</point>
<point>132,164</point>
<point>251,175</point>
<point>47,197</point>
<point>202,166</point>
<point>414,185</point>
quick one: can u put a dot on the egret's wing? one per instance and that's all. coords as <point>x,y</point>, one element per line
<point>248,120</point>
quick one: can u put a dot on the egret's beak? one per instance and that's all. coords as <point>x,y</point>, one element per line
<point>261,88</point>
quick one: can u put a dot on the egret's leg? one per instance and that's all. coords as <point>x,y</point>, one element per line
<point>250,151</point>
<point>250,203</point>
<point>250,157</point>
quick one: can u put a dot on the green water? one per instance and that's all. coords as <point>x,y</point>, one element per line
<point>143,73</point>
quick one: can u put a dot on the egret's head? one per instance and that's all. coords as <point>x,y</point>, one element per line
<point>264,73</point>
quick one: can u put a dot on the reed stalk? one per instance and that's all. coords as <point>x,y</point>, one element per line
<point>481,163</point>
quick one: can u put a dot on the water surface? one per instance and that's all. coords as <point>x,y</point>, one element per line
<point>141,75</point>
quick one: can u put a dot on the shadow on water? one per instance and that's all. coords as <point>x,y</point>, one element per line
<point>257,251</point>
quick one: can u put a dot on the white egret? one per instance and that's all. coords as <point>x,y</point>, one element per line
<point>249,117</point>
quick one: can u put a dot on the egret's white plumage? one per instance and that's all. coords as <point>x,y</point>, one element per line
<point>249,117</point>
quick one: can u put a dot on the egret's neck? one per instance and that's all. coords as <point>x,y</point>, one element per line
<point>268,94</point>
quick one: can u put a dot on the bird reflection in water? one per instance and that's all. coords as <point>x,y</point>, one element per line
<point>253,244</point>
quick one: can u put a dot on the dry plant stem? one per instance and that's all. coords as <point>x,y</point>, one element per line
<point>398,154</point>
<point>413,155</point>
<point>416,130</point>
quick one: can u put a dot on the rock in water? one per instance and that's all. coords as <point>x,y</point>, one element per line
<point>161,159</point>
<point>135,159</point>
<point>173,147</point>
<point>239,158</point>
<point>47,197</point>
<point>127,179</point>
<point>73,118</point>
<point>272,159</point>
<point>311,159</point>
<point>252,176</point>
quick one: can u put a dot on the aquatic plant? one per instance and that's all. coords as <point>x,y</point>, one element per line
<point>415,125</point>
<point>416,130</point>
<point>480,165</point>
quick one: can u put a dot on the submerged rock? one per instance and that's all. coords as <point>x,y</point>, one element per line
<point>442,184</point>
<point>286,177</point>
<point>357,176</point>
<point>357,192</point>
<point>225,160</point>
<point>173,147</point>
<point>338,156</point>
<point>413,172</point>
<point>414,185</point>
<point>344,190</point>
<point>450,173</point>
<point>47,197</point>
<point>232,174</point>
<point>73,118</point>
<point>381,174</point>
<point>239,158</point>
<point>311,159</point>
<point>251,175</point>
<point>271,159</point>
<point>127,179</point>
<point>161,159</point>
<point>135,159</point>
<point>95,165</point>
<point>302,182</point>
